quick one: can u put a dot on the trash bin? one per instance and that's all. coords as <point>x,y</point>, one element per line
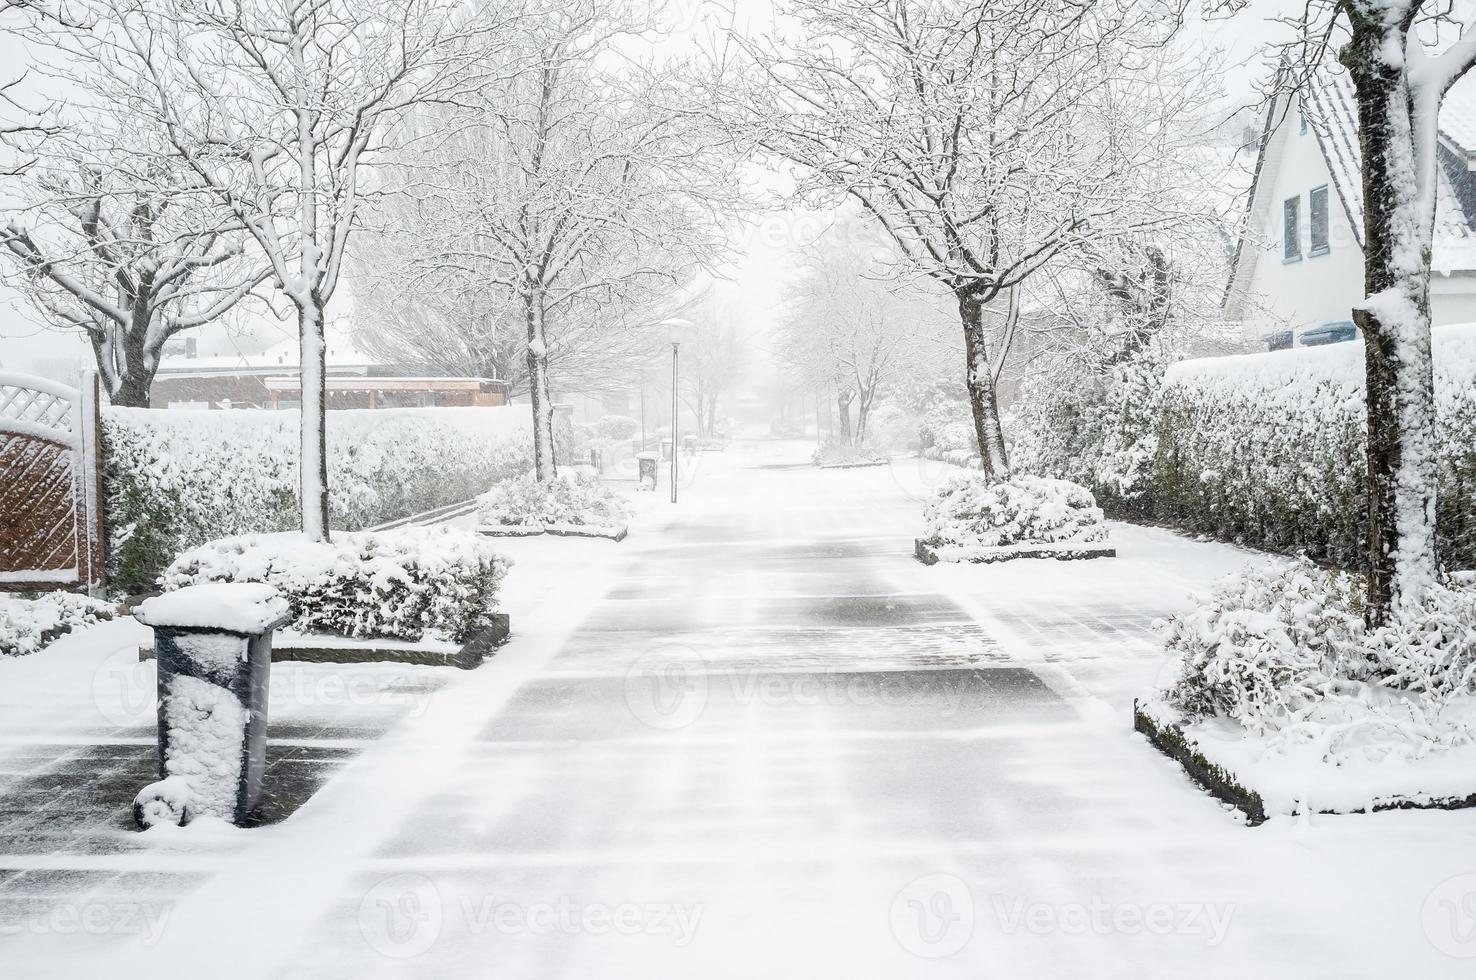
<point>213,647</point>
<point>647,473</point>
<point>689,445</point>
<point>666,449</point>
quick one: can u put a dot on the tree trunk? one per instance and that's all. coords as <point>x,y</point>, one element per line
<point>863,414</point>
<point>120,364</point>
<point>132,391</point>
<point>1395,321</point>
<point>544,466</point>
<point>979,381</point>
<point>314,435</point>
<point>843,413</point>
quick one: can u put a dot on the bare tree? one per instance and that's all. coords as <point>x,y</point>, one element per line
<point>986,138</point>
<point>281,110</point>
<point>569,194</point>
<point>122,244</point>
<point>854,327</point>
<point>26,125</point>
<point>714,354</point>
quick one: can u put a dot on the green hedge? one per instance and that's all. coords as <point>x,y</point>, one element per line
<point>1268,449</point>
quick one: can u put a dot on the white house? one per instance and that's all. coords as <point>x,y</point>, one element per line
<point>1299,267</point>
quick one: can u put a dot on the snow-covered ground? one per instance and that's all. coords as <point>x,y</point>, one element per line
<point>756,739</point>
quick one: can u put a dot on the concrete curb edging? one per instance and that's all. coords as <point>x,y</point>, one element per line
<point>928,555</point>
<point>1225,786</point>
<point>469,657</point>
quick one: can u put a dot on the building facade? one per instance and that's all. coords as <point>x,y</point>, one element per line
<point>1298,270</point>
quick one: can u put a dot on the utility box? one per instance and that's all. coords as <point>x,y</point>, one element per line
<point>647,471</point>
<point>213,647</point>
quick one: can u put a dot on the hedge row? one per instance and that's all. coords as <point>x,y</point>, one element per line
<point>1268,449</point>
<point>174,480</point>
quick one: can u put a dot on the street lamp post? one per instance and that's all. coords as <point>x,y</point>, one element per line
<point>674,394</point>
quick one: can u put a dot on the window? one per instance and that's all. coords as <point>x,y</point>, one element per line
<point>1317,219</point>
<point>1291,229</point>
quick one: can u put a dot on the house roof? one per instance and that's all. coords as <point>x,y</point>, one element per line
<point>341,355</point>
<point>1332,113</point>
<point>1328,99</point>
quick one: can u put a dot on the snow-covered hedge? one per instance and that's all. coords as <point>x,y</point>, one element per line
<point>410,584</point>
<point>1099,431</point>
<point>177,479</point>
<point>1283,648</point>
<point>972,511</point>
<point>1269,448</point>
<point>27,625</point>
<point>572,498</point>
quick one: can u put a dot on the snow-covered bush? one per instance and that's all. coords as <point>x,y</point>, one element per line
<point>1096,430</point>
<point>1269,640</point>
<point>891,428</point>
<point>1269,449</point>
<point>1276,644</point>
<point>571,498</point>
<point>27,625</point>
<point>174,479</point>
<point>972,511</point>
<point>947,426</point>
<point>411,584</point>
<point>613,428</point>
<point>844,454</point>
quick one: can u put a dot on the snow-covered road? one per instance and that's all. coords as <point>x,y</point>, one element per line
<point>758,740</point>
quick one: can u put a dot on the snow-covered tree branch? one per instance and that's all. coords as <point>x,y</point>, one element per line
<point>986,139</point>
<point>281,110</point>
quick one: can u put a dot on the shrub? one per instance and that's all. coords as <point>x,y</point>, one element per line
<point>614,428</point>
<point>28,625</point>
<point>1096,430</point>
<point>970,510</point>
<point>413,584</point>
<point>844,454</point>
<point>948,425</point>
<point>1275,644</point>
<point>571,498</point>
<point>1269,449</point>
<point>1268,641</point>
<point>174,480</point>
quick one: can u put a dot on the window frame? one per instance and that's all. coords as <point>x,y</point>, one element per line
<point>1291,245</point>
<point>1325,247</point>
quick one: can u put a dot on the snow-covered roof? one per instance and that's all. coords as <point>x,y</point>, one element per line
<point>1329,102</point>
<point>1458,116</point>
<point>1332,113</point>
<point>341,356</point>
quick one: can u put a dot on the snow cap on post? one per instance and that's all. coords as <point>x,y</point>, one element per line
<point>232,607</point>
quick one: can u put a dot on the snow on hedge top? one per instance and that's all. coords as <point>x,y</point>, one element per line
<point>1305,367</point>
<point>407,584</point>
<point>379,558</point>
<point>236,607</point>
<point>500,423</point>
